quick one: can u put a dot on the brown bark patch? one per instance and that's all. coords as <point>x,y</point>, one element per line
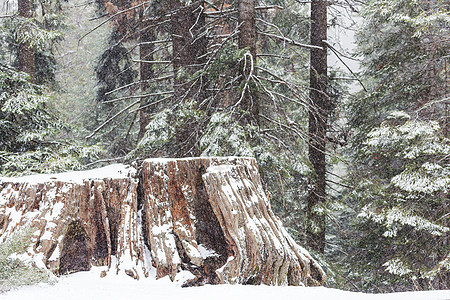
<point>75,253</point>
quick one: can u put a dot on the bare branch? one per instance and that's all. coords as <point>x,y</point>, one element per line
<point>154,42</point>
<point>151,104</point>
<point>138,96</point>
<point>112,118</point>
<point>348,68</point>
<point>139,82</point>
<point>160,62</point>
<point>110,18</point>
<point>290,41</point>
<point>219,12</point>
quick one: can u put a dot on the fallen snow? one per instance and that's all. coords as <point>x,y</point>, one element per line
<point>89,285</point>
<point>206,252</point>
<point>220,168</point>
<point>165,160</point>
<point>111,171</point>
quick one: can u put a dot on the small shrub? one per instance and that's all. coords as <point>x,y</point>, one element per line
<point>13,271</point>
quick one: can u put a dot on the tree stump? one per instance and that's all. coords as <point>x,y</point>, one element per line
<point>209,216</point>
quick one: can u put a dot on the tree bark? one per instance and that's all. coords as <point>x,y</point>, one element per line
<point>247,39</point>
<point>189,46</point>
<point>146,71</point>
<point>318,119</point>
<point>25,55</point>
<point>208,216</point>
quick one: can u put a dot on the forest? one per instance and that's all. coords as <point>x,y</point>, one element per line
<point>344,104</point>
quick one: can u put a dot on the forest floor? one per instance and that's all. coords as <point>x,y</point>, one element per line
<point>89,285</point>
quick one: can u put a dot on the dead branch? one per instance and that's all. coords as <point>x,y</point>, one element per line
<point>290,41</point>
<point>110,18</point>
<point>348,68</point>
<point>138,96</point>
<point>112,118</point>
<point>140,82</point>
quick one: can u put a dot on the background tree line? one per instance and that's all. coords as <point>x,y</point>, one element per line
<point>361,178</point>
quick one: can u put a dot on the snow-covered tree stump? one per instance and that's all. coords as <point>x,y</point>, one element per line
<point>208,216</point>
<point>78,219</point>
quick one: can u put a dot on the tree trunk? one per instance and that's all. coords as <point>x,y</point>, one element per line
<point>189,46</point>
<point>247,39</point>
<point>146,49</point>
<point>25,55</point>
<point>208,216</point>
<point>318,119</point>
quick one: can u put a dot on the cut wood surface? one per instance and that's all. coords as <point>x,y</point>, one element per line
<point>205,217</point>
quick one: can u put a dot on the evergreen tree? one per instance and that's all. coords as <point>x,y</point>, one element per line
<point>32,35</point>
<point>400,148</point>
<point>34,138</point>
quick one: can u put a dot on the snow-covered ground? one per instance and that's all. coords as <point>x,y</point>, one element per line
<point>89,285</point>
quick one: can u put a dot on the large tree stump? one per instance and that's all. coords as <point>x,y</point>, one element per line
<point>78,219</point>
<point>209,216</point>
<point>218,205</point>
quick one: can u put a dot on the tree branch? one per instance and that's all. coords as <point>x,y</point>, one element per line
<point>138,96</point>
<point>112,118</point>
<point>110,18</point>
<point>289,41</point>
<point>348,68</point>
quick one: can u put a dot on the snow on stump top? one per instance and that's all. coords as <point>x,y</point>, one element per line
<point>208,216</point>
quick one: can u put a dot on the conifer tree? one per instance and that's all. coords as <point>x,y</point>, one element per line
<point>34,138</point>
<point>400,147</point>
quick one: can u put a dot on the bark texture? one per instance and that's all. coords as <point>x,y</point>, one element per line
<point>247,40</point>
<point>75,224</point>
<point>318,119</point>
<point>189,46</point>
<point>146,50</point>
<point>208,216</point>
<point>25,54</point>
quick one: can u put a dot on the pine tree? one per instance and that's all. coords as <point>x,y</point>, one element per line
<point>34,138</point>
<point>32,35</point>
<point>400,147</point>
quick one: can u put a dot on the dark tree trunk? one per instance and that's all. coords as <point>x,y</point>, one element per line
<point>25,55</point>
<point>146,49</point>
<point>318,118</point>
<point>187,23</point>
<point>247,39</point>
<point>189,46</point>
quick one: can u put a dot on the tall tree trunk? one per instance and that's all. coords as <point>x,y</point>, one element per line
<point>247,39</point>
<point>146,49</point>
<point>189,46</point>
<point>318,118</point>
<point>25,54</point>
